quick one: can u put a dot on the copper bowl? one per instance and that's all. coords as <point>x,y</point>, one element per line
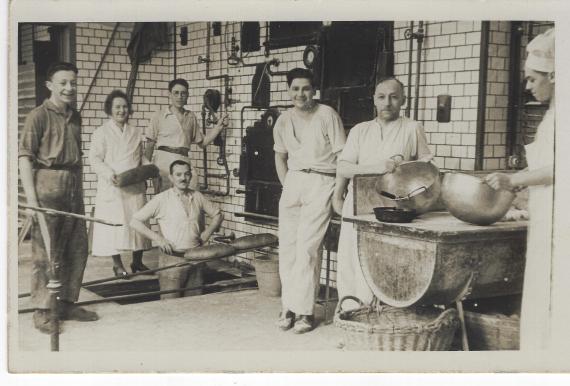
<point>471,200</point>
<point>414,185</point>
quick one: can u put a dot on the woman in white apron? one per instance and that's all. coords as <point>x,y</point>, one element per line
<point>536,312</point>
<point>117,147</point>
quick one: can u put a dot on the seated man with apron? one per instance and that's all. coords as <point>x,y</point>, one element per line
<point>177,211</point>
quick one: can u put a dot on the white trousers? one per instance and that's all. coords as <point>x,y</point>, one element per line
<point>349,277</point>
<point>304,213</point>
<point>536,308</point>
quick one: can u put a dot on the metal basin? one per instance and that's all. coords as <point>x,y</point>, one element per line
<point>471,200</point>
<point>414,185</point>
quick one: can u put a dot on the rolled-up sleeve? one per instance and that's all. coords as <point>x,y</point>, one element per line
<point>278,137</point>
<point>206,205</point>
<point>351,147</point>
<point>197,136</point>
<point>335,132</point>
<point>31,135</point>
<point>422,148</point>
<point>150,210</point>
<point>151,131</point>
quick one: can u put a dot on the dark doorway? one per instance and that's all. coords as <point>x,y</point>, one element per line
<point>46,52</point>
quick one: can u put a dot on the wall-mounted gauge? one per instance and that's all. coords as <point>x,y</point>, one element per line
<point>269,118</point>
<point>309,56</point>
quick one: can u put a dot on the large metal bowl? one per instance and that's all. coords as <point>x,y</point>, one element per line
<point>408,179</point>
<point>471,200</point>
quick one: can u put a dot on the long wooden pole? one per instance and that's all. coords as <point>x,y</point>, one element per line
<point>53,212</point>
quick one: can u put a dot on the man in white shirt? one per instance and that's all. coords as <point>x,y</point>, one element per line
<point>375,146</point>
<point>177,211</point>
<point>308,138</point>
<point>172,130</point>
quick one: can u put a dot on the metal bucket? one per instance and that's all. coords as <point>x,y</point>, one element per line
<point>267,274</point>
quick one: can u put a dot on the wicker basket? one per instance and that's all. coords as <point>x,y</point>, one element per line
<point>396,329</point>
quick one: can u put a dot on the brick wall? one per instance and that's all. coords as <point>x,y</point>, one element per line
<point>450,65</point>
<point>494,151</point>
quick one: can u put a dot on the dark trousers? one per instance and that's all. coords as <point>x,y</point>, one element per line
<point>60,190</point>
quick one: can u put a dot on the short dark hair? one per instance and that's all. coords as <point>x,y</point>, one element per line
<point>302,73</point>
<point>60,66</point>
<point>179,81</point>
<point>111,97</point>
<point>388,78</point>
<point>179,162</point>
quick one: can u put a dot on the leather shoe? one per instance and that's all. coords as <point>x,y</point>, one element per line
<point>286,320</point>
<point>73,312</point>
<point>42,322</point>
<point>140,268</point>
<point>303,324</point>
<point>121,272</point>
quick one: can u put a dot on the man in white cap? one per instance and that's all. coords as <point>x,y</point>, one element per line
<point>536,313</point>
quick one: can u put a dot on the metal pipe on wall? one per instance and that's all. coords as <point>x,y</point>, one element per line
<point>420,37</point>
<point>174,53</point>
<point>225,104</point>
<point>482,98</point>
<point>514,89</point>
<point>410,55</point>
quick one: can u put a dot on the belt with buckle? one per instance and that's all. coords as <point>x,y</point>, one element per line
<point>176,150</point>
<point>318,172</point>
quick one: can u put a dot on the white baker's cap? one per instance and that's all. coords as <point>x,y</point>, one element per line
<point>541,52</point>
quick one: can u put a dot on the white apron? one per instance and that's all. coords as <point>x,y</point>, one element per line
<point>112,152</point>
<point>366,144</point>
<point>537,300</point>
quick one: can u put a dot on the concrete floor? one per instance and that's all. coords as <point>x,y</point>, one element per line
<point>241,320</point>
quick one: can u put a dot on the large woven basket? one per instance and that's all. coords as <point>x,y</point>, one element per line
<point>387,328</point>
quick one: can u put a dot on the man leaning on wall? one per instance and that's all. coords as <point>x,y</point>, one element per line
<point>308,138</point>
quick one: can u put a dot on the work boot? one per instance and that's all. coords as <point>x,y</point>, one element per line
<point>303,324</point>
<point>70,311</point>
<point>42,322</point>
<point>286,320</point>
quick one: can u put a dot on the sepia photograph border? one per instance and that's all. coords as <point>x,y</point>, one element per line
<point>553,360</point>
